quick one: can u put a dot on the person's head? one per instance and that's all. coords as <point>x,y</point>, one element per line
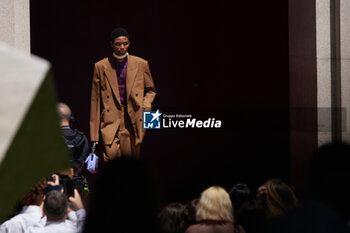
<point>55,206</point>
<point>329,176</point>
<point>252,216</point>
<point>172,218</point>
<point>119,41</point>
<point>279,197</point>
<point>35,196</point>
<point>64,114</point>
<point>190,211</point>
<point>214,204</point>
<point>240,194</point>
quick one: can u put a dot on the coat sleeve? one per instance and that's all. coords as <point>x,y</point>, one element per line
<point>150,91</point>
<point>95,106</point>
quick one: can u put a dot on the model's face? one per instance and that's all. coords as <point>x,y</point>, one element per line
<point>120,45</point>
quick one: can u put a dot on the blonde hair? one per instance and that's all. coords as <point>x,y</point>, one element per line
<point>214,204</point>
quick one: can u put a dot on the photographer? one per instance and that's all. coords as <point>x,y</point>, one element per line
<point>76,140</point>
<point>56,211</point>
<point>64,212</point>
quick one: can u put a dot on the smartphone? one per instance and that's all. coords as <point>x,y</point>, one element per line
<point>68,187</point>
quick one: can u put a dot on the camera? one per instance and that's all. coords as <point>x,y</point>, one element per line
<point>79,183</point>
<point>69,184</point>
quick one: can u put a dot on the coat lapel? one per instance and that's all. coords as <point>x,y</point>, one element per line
<point>112,78</point>
<point>131,71</point>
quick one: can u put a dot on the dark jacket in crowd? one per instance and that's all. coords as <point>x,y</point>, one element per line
<point>77,144</point>
<point>310,217</point>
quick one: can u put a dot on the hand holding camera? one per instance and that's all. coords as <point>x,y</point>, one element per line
<point>75,201</point>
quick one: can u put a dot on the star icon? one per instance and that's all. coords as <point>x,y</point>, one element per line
<point>156,115</point>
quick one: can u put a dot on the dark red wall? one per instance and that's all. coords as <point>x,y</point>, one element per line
<point>222,59</point>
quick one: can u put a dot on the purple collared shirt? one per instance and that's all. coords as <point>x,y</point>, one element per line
<point>121,77</point>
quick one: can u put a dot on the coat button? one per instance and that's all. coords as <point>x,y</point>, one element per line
<point>107,110</point>
<point>140,119</point>
<point>107,96</point>
<point>137,94</point>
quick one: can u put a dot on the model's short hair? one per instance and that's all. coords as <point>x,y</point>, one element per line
<point>214,204</point>
<point>116,32</point>
<point>55,205</point>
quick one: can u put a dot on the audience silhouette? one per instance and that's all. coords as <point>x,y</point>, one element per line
<point>124,200</point>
